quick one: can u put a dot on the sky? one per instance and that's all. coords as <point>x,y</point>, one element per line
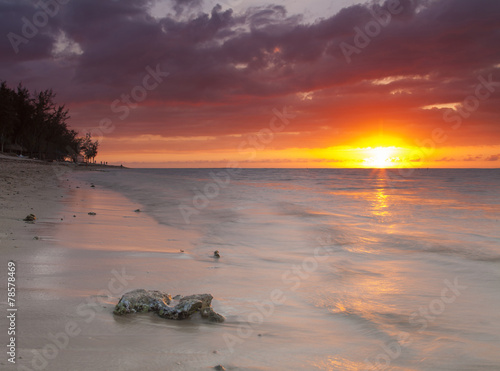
<point>205,83</point>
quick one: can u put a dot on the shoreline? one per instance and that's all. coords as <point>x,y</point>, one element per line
<point>11,157</point>
<point>72,268</point>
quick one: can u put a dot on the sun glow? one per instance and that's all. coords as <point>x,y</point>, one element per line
<point>381,151</point>
<point>381,157</point>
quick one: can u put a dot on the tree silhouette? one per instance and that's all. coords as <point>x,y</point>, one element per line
<point>7,115</point>
<point>36,123</point>
<point>89,148</point>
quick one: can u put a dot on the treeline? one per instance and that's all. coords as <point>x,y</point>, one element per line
<point>34,125</point>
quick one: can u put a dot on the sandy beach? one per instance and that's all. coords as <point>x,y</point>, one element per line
<point>28,187</point>
<point>72,268</point>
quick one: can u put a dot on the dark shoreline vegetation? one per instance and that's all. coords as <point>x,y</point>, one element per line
<point>34,125</point>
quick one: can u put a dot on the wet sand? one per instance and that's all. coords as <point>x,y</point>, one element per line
<point>72,268</point>
<point>27,187</point>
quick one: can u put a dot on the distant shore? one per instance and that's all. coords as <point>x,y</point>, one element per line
<point>13,157</point>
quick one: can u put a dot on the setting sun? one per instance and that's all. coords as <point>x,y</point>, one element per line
<point>380,157</point>
<point>372,152</point>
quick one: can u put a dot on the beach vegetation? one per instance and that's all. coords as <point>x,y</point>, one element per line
<point>89,148</point>
<point>34,125</point>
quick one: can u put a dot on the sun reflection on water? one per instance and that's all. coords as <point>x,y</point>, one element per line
<point>380,204</point>
<point>337,362</point>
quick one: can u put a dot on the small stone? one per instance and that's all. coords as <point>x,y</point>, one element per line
<point>181,250</point>
<point>137,211</point>
<point>216,254</point>
<point>36,238</point>
<point>92,186</point>
<point>30,218</point>
<point>92,213</point>
<point>219,368</point>
<point>74,216</point>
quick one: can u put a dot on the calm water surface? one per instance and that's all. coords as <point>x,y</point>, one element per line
<point>336,269</point>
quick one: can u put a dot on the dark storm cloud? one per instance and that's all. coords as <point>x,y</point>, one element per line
<point>17,29</point>
<point>263,57</point>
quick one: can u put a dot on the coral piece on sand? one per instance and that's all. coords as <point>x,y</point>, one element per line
<point>182,307</point>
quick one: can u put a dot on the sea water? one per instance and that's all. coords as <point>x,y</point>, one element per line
<point>329,269</point>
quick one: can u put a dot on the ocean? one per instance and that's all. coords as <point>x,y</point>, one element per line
<point>320,269</point>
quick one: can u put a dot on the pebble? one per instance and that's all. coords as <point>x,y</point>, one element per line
<point>30,218</point>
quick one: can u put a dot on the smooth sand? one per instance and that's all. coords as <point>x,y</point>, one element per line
<point>27,187</point>
<point>72,268</point>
